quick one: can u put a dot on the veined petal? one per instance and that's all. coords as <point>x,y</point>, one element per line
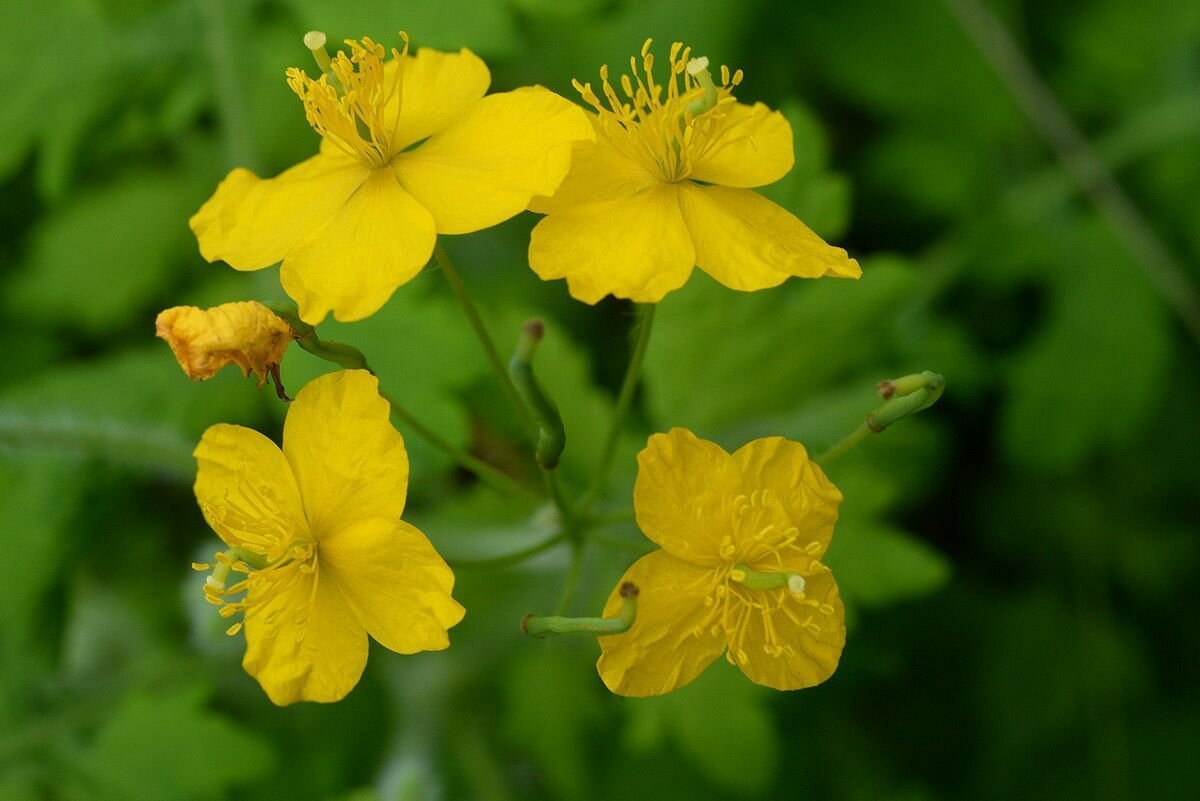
<point>240,471</point>
<point>747,242</point>
<point>379,239</point>
<point>349,461</point>
<point>304,644</point>
<point>777,473</point>
<point>438,88</point>
<point>598,172</point>
<point>684,496</point>
<point>754,148</point>
<point>673,638</point>
<point>637,248</point>
<point>497,155</point>
<point>396,583</point>
<point>781,651</point>
<point>251,223</point>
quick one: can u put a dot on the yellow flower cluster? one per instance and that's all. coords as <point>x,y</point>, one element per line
<point>638,189</point>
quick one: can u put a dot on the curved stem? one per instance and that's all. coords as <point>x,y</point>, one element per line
<point>632,374</point>
<point>507,560</point>
<point>489,347</point>
<point>473,464</point>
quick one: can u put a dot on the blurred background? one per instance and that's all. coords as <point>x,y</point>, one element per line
<point>1020,563</point>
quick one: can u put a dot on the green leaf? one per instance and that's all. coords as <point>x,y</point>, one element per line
<point>552,703</point>
<point>134,409</point>
<point>99,260</point>
<point>37,503</point>
<point>721,723</point>
<point>1093,375</point>
<point>485,26</point>
<point>718,356</point>
<point>166,745</point>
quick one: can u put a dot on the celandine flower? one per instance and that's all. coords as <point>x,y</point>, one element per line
<point>315,534</point>
<point>739,570</point>
<point>247,334</point>
<point>666,186</point>
<point>410,148</point>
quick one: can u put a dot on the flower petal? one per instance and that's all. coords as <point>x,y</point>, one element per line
<point>379,239</point>
<point>753,149</point>
<point>438,88</point>
<point>598,172</point>
<point>684,496</point>
<point>251,223</point>
<point>807,658</point>
<point>349,461</point>
<point>636,248</point>
<point>501,152</point>
<point>305,643</point>
<point>234,462</point>
<point>780,470</point>
<point>747,242</point>
<point>396,583</point>
<point>671,641</point>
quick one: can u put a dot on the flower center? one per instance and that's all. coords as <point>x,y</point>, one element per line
<point>354,104</point>
<point>666,127</point>
<point>274,552</point>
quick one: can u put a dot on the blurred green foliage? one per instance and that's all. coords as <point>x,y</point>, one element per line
<point>1020,563</point>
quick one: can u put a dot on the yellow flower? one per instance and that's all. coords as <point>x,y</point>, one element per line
<point>738,571</point>
<point>247,334</point>
<point>410,149</point>
<point>666,186</point>
<point>316,530</point>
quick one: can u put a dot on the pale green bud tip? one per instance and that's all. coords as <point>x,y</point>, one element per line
<point>215,583</point>
<point>795,583</point>
<point>315,40</point>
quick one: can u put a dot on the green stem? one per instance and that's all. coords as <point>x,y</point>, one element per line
<point>621,517</point>
<point>903,397</point>
<point>239,149</point>
<point>552,437</point>
<point>632,374</point>
<point>352,358</point>
<point>497,479</point>
<point>855,437</point>
<point>507,560</point>
<point>542,626</point>
<point>489,347</point>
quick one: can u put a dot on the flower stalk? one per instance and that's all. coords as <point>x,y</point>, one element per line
<point>543,626</point>
<point>903,397</point>
<point>552,437</point>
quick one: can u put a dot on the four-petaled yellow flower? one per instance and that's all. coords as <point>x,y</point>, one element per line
<point>666,186</point>
<point>738,572</point>
<point>410,148</point>
<point>315,528</point>
<point>246,333</point>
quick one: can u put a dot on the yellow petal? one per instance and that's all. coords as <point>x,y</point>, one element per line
<point>753,149</point>
<point>671,641</point>
<point>807,657</point>
<point>349,461</point>
<point>438,88</point>
<point>239,469</point>
<point>800,490</point>
<point>379,239</point>
<point>598,172</point>
<point>251,223</point>
<point>396,583</point>
<point>636,248</point>
<point>747,242</point>
<point>305,643</point>
<point>684,496</point>
<point>247,334</point>
<point>501,152</point>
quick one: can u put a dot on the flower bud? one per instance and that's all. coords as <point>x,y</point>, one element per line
<point>247,334</point>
